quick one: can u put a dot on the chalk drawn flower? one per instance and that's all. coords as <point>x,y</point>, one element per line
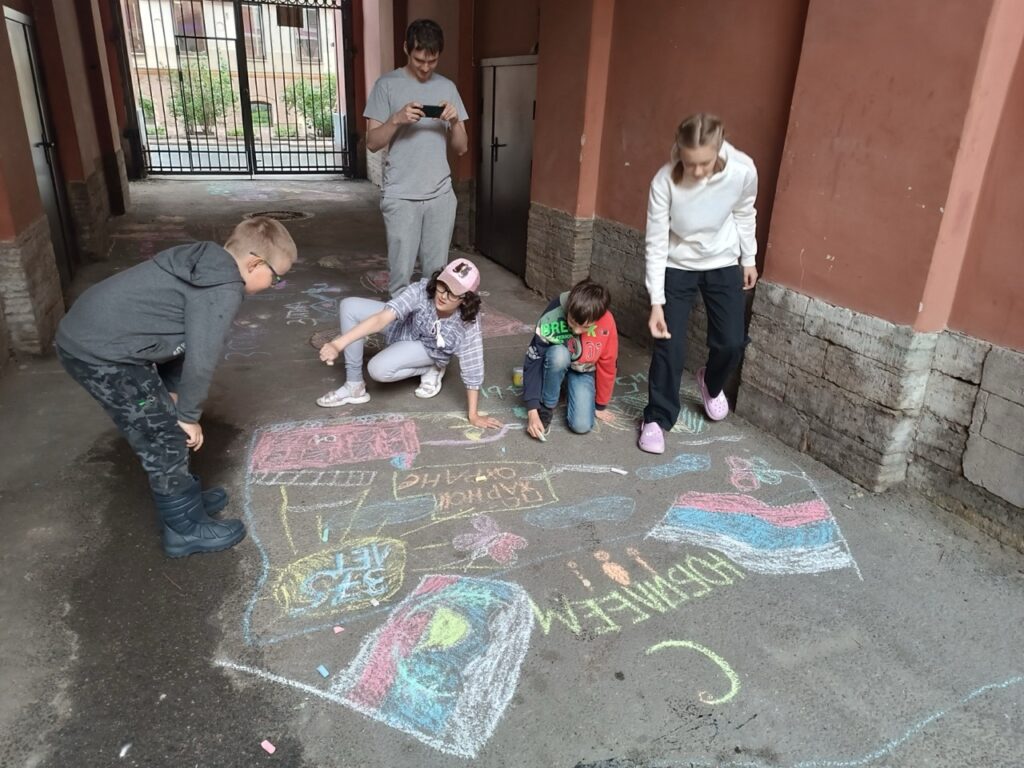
<point>749,474</point>
<point>489,541</point>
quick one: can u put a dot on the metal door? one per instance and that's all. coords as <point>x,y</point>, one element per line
<point>226,86</point>
<point>40,136</point>
<point>503,193</point>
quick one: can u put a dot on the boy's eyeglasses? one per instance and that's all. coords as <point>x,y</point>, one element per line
<point>446,292</point>
<point>276,279</point>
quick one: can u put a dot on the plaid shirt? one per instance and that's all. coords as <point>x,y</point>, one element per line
<point>418,321</point>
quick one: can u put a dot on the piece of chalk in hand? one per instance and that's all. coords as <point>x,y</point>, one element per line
<point>330,362</point>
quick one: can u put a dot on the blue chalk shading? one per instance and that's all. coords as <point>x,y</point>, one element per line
<point>519,411</point>
<point>752,530</point>
<point>684,462</point>
<point>612,508</point>
<point>323,671</point>
<point>392,512</point>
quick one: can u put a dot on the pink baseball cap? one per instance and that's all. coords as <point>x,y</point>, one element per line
<point>461,276</point>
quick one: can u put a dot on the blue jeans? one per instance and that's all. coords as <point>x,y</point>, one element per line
<point>579,388</point>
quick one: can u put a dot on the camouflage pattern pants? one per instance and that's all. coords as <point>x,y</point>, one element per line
<point>136,399</point>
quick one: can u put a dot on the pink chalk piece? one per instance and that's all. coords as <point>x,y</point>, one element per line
<point>268,747</point>
<point>338,630</point>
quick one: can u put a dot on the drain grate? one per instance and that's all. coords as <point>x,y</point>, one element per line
<point>280,215</point>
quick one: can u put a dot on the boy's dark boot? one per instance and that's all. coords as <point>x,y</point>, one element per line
<point>214,499</point>
<point>187,529</point>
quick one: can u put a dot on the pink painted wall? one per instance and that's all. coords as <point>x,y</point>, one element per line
<point>881,94</point>
<point>79,95</point>
<point>506,29</point>
<point>561,97</point>
<point>989,301</point>
<point>741,66</point>
<point>378,41</point>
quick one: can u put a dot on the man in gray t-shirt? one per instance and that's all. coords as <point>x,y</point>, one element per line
<point>418,203</point>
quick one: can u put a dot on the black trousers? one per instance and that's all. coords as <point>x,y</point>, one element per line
<point>722,291</point>
<point>137,401</point>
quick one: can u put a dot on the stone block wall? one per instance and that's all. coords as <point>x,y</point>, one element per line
<point>375,166</point>
<point>558,249</point>
<point>969,449</point>
<point>846,388</point>
<point>464,236</point>
<point>30,289</point>
<point>90,214</point>
<point>5,344</point>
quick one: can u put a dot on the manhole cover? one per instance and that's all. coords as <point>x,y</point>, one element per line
<point>280,215</point>
<point>320,338</point>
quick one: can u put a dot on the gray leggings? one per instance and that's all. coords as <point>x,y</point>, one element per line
<point>401,360</point>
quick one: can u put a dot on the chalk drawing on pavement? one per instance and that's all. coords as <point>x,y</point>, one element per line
<point>488,540</point>
<point>790,538</point>
<point>684,462</point>
<point>704,696</point>
<point>445,663</point>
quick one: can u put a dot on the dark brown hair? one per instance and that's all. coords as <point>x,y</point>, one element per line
<point>470,306</point>
<point>588,301</point>
<point>425,35</point>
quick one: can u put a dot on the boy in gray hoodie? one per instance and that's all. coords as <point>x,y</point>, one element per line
<point>145,342</point>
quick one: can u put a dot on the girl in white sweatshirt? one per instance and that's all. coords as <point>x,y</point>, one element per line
<point>700,237</point>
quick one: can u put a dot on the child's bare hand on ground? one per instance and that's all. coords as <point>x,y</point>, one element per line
<point>606,416</point>
<point>485,422</point>
<point>194,433</point>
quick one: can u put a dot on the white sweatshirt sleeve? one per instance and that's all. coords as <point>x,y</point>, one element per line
<point>659,204</point>
<point>745,216</point>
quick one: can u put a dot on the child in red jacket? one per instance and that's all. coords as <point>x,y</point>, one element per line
<point>575,342</point>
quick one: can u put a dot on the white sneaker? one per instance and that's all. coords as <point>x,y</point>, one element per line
<point>347,393</point>
<point>430,382</point>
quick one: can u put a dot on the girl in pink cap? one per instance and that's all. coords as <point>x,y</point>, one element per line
<point>423,326</point>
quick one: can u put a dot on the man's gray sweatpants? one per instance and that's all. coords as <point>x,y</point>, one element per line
<point>420,228</point>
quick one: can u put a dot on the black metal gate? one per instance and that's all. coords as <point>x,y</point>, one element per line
<point>226,86</point>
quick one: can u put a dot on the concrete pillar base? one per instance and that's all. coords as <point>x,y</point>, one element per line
<point>30,291</point>
<point>558,249</point>
<point>90,214</point>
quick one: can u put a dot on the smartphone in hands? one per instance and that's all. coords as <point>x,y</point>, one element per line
<point>432,110</point>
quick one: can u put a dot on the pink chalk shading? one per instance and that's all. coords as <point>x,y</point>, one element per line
<point>330,446</point>
<point>494,323</point>
<point>338,630</point>
<point>396,640</point>
<point>791,515</point>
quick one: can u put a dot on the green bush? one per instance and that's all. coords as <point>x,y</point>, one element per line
<point>315,102</point>
<point>285,131</point>
<point>148,110</point>
<point>200,95</point>
<point>236,133</point>
<point>260,113</point>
